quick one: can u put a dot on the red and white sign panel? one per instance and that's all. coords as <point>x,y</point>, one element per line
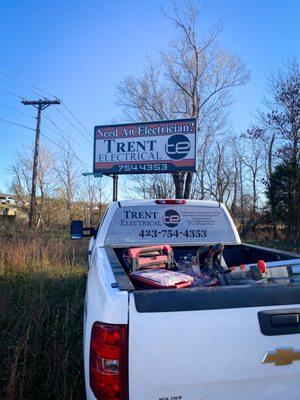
<point>145,147</point>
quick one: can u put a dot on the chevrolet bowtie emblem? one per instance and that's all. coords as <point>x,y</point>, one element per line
<point>282,356</point>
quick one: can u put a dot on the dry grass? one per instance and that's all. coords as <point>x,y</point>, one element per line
<point>42,281</point>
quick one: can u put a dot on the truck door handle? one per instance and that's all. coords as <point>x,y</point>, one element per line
<point>279,322</point>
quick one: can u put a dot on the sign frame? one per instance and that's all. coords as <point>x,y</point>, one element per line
<point>97,171</point>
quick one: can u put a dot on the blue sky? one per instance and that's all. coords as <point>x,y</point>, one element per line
<point>80,50</point>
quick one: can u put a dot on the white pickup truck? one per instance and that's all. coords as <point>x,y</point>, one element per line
<point>239,342</point>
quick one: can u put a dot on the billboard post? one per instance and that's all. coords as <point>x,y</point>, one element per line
<point>145,148</point>
<point>115,187</point>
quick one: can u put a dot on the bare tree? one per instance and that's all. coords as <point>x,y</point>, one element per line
<point>195,78</point>
<point>157,186</point>
<point>282,120</point>
<point>253,169</point>
<point>68,177</point>
<point>21,170</point>
<point>213,128</point>
<point>219,174</point>
<point>46,180</point>
<point>92,199</point>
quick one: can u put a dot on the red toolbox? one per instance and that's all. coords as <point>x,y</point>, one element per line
<point>162,278</point>
<point>154,257</point>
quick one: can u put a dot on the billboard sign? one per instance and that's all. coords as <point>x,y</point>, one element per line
<point>145,147</point>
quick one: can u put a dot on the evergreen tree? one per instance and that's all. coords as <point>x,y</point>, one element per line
<point>284,197</point>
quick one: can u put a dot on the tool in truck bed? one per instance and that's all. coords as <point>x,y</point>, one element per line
<point>149,257</point>
<point>152,266</point>
<point>162,278</point>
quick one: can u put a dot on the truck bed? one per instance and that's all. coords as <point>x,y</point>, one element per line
<point>233,255</point>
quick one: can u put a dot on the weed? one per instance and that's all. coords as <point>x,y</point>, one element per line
<point>42,281</point>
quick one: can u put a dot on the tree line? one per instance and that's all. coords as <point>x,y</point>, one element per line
<point>63,194</point>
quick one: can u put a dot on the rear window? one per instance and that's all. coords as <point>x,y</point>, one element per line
<point>179,224</point>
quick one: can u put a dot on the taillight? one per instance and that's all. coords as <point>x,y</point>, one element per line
<point>109,361</point>
<point>170,201</point>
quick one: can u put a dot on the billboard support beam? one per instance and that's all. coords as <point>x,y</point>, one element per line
<point>115,187</point>
<point>115,181</point>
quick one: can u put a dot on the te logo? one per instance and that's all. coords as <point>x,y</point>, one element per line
<point>171,218</point>
<point>178,147</point>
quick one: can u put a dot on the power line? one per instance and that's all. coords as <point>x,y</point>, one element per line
<point>19,85</point>
<point>62,132</point>
<point>69,146</point>
<point>52,141</point>
<point>74,126</point>
<point>27,83</point>
<point>77,119</point>
<point>13,76</point>
<point>12,93</point>
<point>15,123</point>
<point>58,130</point>
<point>18,111</point>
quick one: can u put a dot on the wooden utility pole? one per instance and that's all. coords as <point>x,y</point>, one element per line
<point>40,105</point>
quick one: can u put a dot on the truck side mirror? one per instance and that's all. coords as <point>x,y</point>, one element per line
<point>77,231</point>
